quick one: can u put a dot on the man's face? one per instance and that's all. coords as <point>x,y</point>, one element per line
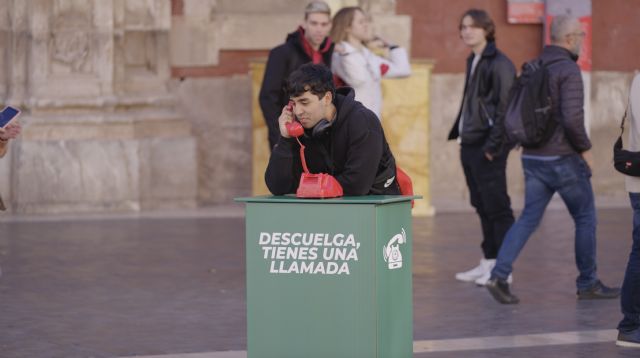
<point>316,28</point>
<point>575,38</point>
<point>471,35</point>
<point>309,109</point>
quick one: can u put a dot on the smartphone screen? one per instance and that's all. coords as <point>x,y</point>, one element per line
<point>7,115</point>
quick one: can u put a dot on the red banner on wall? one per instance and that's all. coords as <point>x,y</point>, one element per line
<point>525,12</point>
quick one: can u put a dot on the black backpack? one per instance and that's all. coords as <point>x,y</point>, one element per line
<point>529,119</point>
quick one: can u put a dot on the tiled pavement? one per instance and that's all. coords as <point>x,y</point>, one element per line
<point>118,286</point>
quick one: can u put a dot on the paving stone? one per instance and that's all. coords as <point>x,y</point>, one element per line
<point>150,286</point>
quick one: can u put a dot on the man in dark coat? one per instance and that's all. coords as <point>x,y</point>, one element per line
<point>479,129</point>
<point>309,43</point>
<point>561,165</point>
<point>342,138</point>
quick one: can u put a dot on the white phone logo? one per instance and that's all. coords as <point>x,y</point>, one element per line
<point>391,251</point>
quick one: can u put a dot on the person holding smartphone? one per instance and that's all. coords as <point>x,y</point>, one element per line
<point>10,129</point>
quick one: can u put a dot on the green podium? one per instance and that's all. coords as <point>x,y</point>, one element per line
<point>329,278</point>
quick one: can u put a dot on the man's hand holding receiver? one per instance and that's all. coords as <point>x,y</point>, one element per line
<point>285,118</point>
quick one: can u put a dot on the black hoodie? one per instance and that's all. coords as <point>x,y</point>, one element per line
<point>283,60</point>
<point>354,150</point>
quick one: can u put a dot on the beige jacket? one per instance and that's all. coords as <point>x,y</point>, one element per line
<point>633,120</point>
<point>361,70</point>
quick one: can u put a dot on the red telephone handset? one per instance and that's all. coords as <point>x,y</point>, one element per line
<point>294,128</point>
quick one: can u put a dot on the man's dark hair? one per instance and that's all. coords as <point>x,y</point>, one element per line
<point>482,20</point>
<point>317,79</point>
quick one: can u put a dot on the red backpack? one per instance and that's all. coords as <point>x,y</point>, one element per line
<point>404,182</point>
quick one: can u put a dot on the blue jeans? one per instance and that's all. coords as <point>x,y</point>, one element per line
<point>569,176</point>
<point>630,296</point>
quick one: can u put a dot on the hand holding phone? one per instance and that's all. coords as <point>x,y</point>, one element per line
<point>11,131</point>
<point>289,126</point>
<point>9,128</point>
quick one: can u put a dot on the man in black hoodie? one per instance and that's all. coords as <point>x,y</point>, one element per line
<point>309,43</point>
<point>342,138</point>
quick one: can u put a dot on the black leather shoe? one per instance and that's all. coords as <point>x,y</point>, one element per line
<point>499,289</point>
<point>598,291</point>
<point>629,339</point>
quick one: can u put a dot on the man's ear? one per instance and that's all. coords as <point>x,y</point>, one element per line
<point>328,97</point>
<point>568,40</point>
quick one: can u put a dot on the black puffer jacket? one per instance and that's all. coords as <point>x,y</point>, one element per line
<point>283,60</point>
<point>485,94</point>
<point>567,101</point>
<point>355,151</point>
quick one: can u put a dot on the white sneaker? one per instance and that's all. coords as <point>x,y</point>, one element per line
<point>485,278</point>
<point>475,273</point>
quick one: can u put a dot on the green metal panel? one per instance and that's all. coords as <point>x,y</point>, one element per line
<point>305,304</point>
<point>394,281</point>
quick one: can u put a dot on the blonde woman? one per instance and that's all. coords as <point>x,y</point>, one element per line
<point>357,65</point>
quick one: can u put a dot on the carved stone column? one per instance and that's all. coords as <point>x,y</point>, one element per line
<point>100,128</point>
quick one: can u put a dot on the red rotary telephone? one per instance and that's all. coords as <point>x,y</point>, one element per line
<point>321,185</point>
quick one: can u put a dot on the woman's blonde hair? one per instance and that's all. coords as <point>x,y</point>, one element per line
<point>342,21</point>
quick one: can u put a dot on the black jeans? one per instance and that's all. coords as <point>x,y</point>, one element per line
<point>487,184</point>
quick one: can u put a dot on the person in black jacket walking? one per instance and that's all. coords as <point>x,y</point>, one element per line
<point>342,138</point>
<point>479,129</point>
<point>563,165</point>
<point>309,43</point>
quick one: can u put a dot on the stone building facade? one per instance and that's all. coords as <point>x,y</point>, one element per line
<point>101,127</point>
